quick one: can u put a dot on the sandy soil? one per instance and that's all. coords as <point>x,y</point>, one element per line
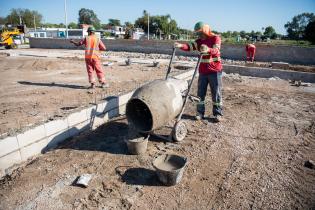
<point>254,159</point>
<point>34,90</point>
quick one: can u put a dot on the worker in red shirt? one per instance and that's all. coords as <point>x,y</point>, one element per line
<point>93,45</point>
<point>210,69</point>
<point>250,52</point>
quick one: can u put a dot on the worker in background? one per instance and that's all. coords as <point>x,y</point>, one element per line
<point>210,69</point>
<point>93,45</point>
<point>250,52</point>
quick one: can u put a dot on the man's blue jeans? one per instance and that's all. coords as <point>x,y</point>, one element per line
<point>215,83</point>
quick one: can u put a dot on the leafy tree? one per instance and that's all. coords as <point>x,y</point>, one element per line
<point>105,26</point>
<point>296,27</point>
<point>113,22</point>
<point>106,34</point>
<point>270,32</point>
<point>227,34</point>
<point>61,25</point>
<point>158,24</point>
<point>129,25</point>
<point>172,26</point>
<point>73,25</point>
<point>87,16</point>
<point>128,30</point>
<point>3,20</point>
<point>310,32</point>
<point>53,25</point>
<point>235,33</point>
<point>27,17</point>
<point>142,22</point>
<point>184,33</point>
<point>252,34</point>
<point>242,34</point>
<point>49,25</point>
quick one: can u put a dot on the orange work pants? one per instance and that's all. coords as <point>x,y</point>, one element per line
<point>94,64</point>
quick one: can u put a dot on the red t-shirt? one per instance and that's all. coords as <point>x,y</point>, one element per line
<point>214,44</point>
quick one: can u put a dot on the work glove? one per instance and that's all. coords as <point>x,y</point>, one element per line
<point>178,45</point>
<point>72,41</point>
<point>204,48</point>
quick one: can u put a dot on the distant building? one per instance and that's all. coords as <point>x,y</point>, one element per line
<point>115,31</point>
<point>138,33</point>
<point>60,33</point>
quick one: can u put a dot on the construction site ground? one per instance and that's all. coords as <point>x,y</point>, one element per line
<point>254,159</point>
<point>35,89</point>
<point>39,85</point>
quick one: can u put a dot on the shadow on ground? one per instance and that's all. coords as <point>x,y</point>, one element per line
<point>107,138</point>
<point>193,118</point>
<point>52,84</point>
<point>140,176</point>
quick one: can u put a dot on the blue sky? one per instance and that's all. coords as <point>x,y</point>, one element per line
<point>221,15</point>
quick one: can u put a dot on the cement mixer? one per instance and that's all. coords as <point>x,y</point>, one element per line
<point>157,103</point>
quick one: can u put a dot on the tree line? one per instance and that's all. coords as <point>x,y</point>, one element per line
<point>301,27</point>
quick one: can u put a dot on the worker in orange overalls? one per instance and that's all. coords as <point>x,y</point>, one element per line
<point>250,52</point>
<point>93,45</point>
<point>210,69</point>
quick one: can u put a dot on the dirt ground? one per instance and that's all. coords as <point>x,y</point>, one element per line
<point>34,89</point>
<point>37,89</point>
<point>253,159</point>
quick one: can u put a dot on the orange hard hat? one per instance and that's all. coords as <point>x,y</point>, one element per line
<point>203,28</point>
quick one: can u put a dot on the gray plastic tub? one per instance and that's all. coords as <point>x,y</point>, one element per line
<point>170,168</point>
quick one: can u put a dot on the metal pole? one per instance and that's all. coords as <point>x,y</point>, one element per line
<point>66,21</point>
<point>189,88</point>
<point>170,64</point>
<point>160,33</point>
<point>21,35</point>
<point>148,26</point>
<point>34,24</point>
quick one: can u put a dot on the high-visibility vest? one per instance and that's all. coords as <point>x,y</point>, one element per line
<point>210,60</point>
<point>205,58</point>
<point>92,49</point>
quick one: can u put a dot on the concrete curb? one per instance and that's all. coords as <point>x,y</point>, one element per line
<point>267,73</point>
<point>15,150</point>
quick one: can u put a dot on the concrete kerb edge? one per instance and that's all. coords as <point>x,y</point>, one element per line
<point>268,73</point>
<point>60,129</point>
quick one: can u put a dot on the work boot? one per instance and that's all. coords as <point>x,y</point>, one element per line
<point>217,118</point>
<point>199,116</point>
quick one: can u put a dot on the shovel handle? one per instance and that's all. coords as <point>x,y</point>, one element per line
<point>171,61</point>
<point>189,87</point>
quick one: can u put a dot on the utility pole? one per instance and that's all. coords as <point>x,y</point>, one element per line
<point>148,26</point>
<point>22,35</point>
<point>66,21</point>
<point>34,24</point>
